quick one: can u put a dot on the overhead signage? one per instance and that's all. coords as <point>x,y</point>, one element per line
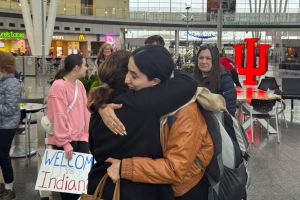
<point>110,39</point>
<point>81,37</point>
<point>202,36</point>
<point>252,69</point>
<point>61,175</point>
<point>11,34</point>
<point>227,5</point>
<point>250,23</point>
<point>58,37</point>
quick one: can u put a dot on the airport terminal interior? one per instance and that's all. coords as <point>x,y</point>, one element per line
<point>84,26</point>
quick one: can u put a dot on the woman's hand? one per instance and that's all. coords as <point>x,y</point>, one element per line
<point>114,170</point>
<point>111,120</point>
<point>69,154</point>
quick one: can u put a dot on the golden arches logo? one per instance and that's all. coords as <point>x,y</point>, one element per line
<point>81,37</point>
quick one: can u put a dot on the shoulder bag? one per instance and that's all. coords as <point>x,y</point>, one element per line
<point>99,191</point>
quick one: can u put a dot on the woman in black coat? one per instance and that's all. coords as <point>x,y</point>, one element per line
<point>151,95</point>
<point>208,74</point>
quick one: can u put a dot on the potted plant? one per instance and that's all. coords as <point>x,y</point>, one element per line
<point>90,82</point>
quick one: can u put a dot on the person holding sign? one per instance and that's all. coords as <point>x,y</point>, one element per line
<point>66,110</point>
<point>152,95</point>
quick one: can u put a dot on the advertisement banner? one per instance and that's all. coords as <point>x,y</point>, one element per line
<point>228,6</point>
<point>61,175</point>
<point>212,5</point>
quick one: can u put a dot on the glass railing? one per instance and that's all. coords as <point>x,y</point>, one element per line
<point>166,17</point>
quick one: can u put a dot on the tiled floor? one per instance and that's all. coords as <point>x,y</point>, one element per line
<point>275,168</point>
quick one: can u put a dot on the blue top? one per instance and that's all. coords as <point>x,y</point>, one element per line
<point>227,90</point>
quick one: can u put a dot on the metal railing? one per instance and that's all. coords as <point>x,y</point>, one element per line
<point>173,17</point>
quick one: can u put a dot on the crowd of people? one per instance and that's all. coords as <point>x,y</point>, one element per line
<point>123,123</point>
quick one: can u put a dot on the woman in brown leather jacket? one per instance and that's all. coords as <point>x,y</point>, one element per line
<point>188,149</point>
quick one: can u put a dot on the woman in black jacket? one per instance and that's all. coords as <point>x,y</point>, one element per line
<point>151,95</point>
<point>208,74</point>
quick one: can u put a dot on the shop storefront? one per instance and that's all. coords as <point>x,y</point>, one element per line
<point>66,44</point>
<point>14,42</point>
<point>291,49</point>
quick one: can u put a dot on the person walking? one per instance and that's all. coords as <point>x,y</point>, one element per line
<point>229,65</point>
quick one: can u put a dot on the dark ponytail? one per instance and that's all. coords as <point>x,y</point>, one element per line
<point>70,63</point>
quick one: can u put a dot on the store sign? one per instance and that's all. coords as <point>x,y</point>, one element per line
<point>111,39</point>
<point>250,23</point>
<point>58,37</point>
<point>202,35</point>
<point>81,37</point>
<point>251,70</point>
<point>11,34</point>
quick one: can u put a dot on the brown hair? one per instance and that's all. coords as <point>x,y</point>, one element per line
<point>112,73</point>
<point>155,40</point>
<point>7,62</point>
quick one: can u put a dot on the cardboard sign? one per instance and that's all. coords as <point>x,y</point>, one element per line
<point>61,175</point>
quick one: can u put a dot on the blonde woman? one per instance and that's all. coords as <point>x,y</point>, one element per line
<point>105,50</point>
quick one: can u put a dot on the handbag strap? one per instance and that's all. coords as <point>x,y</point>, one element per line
<point>75,97</point>
<point>99,190</point>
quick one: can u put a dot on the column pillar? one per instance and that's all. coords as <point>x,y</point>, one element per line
<point>28,25</point>
<point>50,24</point>
<point>176,43</point>
<point>220,27</point>
<point>123,37</point>
<point>37,25</point>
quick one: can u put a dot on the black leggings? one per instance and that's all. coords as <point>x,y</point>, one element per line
<point>81,147</point>
<point>6,138</point>
<point>199,192</point>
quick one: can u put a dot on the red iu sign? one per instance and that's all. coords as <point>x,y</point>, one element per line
<point>251,70</point>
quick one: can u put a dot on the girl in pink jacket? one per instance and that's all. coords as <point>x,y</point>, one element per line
<point>70,127</point>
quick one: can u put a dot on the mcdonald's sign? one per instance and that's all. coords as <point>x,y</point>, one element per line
<point>81,37</point>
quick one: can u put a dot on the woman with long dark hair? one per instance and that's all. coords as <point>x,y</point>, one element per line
<point>70,123</point>
<point>208,74</point>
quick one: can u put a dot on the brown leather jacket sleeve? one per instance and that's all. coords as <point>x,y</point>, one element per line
<point>182,144</point>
